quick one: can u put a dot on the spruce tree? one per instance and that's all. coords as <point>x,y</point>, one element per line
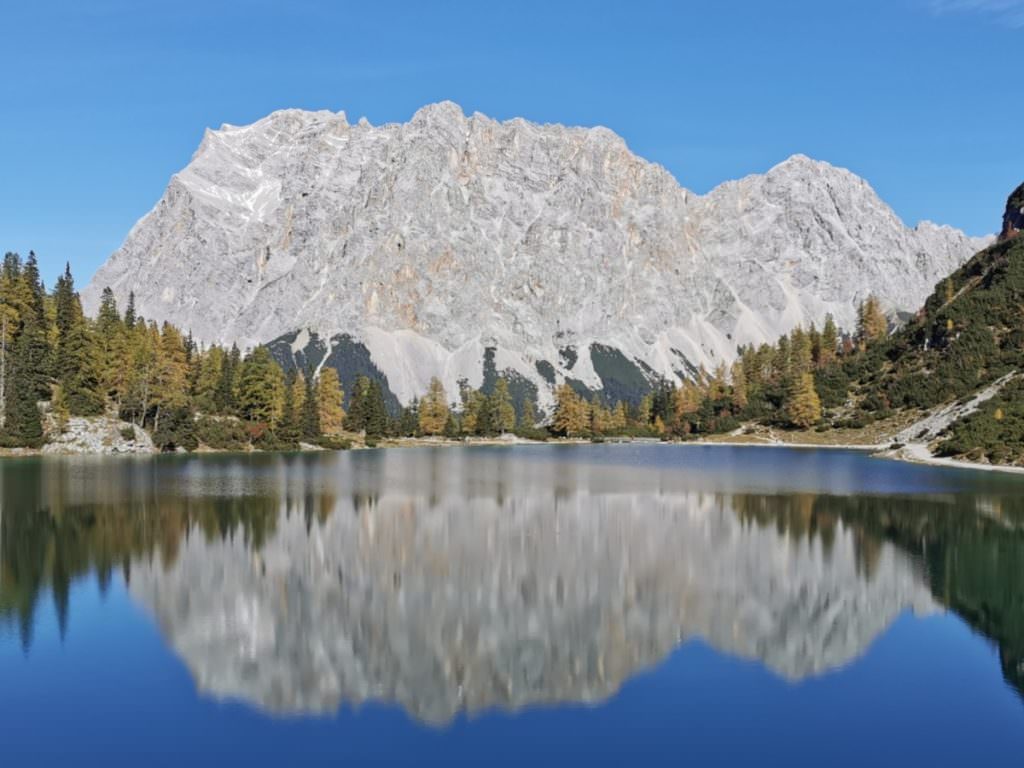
<point>129,311</point>
<point>23,425</point>
<point>358,405</point>
<point>502,412</point>
<point>260,388</point>
<point>224,399</point>
<point>310,412</point>
<point>35,353</point>
<point>288,431</point>
<point>376,412</point>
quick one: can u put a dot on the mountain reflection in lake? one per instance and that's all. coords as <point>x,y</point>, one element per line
<point>450,581</point>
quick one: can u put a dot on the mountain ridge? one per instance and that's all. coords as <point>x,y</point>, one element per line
<point>430,242</point>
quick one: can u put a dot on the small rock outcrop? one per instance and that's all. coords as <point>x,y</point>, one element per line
<point>1013,218</point>
<point>98,435</point>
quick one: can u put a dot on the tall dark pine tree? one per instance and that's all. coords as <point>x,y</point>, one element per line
<point>355,420</point>
<point>376,412</point>
<point>129,312</point>
<point>75,360</point>
<point>310,417</point>
<point>224,397</point>
<point>22,424</point>
<point>288,427</point>
<point>35,354</point>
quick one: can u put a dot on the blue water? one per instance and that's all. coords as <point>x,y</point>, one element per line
<point>103,683</point>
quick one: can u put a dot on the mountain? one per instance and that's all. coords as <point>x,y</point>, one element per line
<point>464,247</point>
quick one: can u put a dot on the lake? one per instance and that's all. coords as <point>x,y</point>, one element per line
<point>529,605</point>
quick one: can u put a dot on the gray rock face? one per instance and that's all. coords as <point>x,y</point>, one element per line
<point>464,584</point>
<point>433,240</point>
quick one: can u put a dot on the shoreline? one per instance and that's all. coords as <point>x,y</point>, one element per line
<point>913,453</point>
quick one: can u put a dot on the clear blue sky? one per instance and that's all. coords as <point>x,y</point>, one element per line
<point>101,101</point>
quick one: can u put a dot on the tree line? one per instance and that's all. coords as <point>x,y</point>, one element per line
<point>151,375</point>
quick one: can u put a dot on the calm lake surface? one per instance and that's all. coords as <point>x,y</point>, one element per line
<point>536,605</point>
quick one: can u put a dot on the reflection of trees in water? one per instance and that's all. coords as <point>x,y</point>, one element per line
<point>973,552</point>
<point>54,529</point>
<point>61,521</point>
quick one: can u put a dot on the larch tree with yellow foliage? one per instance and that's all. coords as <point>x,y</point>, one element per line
<point>433,409</point>
<point>330,397</point>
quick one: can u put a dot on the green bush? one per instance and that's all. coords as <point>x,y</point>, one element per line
<point>222,434</point>
<point>128,433</point>
<point>333,443</point>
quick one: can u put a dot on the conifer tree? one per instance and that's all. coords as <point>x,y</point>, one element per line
<point>473,403</point>
<point>871,321</point>
<point>288,430</point>
<point>500,409</point>
<point>113,361</point>
<point>829,341</point>
<point>739,385</point>
<point>260,388</point>
<point>433,409</point>
<point>22,424</point>
<point>129,311</point>
<point>35,351</point>
<point>409,422</point>
<point>803,406</point>
<point>528,417</point>
<point>572,417</point>
<point>358,408</point>
<point>329,398</point>
<point>309,418</point>
<point>208,380</point>
<point>376,412</point>
<point>225,399</point>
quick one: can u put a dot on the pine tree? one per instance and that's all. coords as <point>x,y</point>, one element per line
<point>129,312</point>
<point>113,360</point>
<point>803,406</point>
<point>208,380</point>
<point>738,377</point>
<point>36,349</point>
<point>80,382</point>
<point>528,417</point>
<point>22,425</point>
<point>225,399</point>
<point>376,412</point>
<point>288,429</point>
<point>473,403</point>
<point>260,388</point>
<point>358,409</point>
<point>309,420</point>
<point>409,423</point>
<point>829,341</point>
<point>433,409</point>
<point>572,417</point>
<point>76,365</point>
<point>500,409</point>
<point>871,321</point>
<point>329,398</point>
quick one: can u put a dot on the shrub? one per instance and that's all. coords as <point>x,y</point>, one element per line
<point>222,434</point>
<point>128,433</point>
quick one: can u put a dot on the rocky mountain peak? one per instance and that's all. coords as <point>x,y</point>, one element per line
<point>440,244</point>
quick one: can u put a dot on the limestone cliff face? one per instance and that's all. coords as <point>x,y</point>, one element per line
<point>430,242</point>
